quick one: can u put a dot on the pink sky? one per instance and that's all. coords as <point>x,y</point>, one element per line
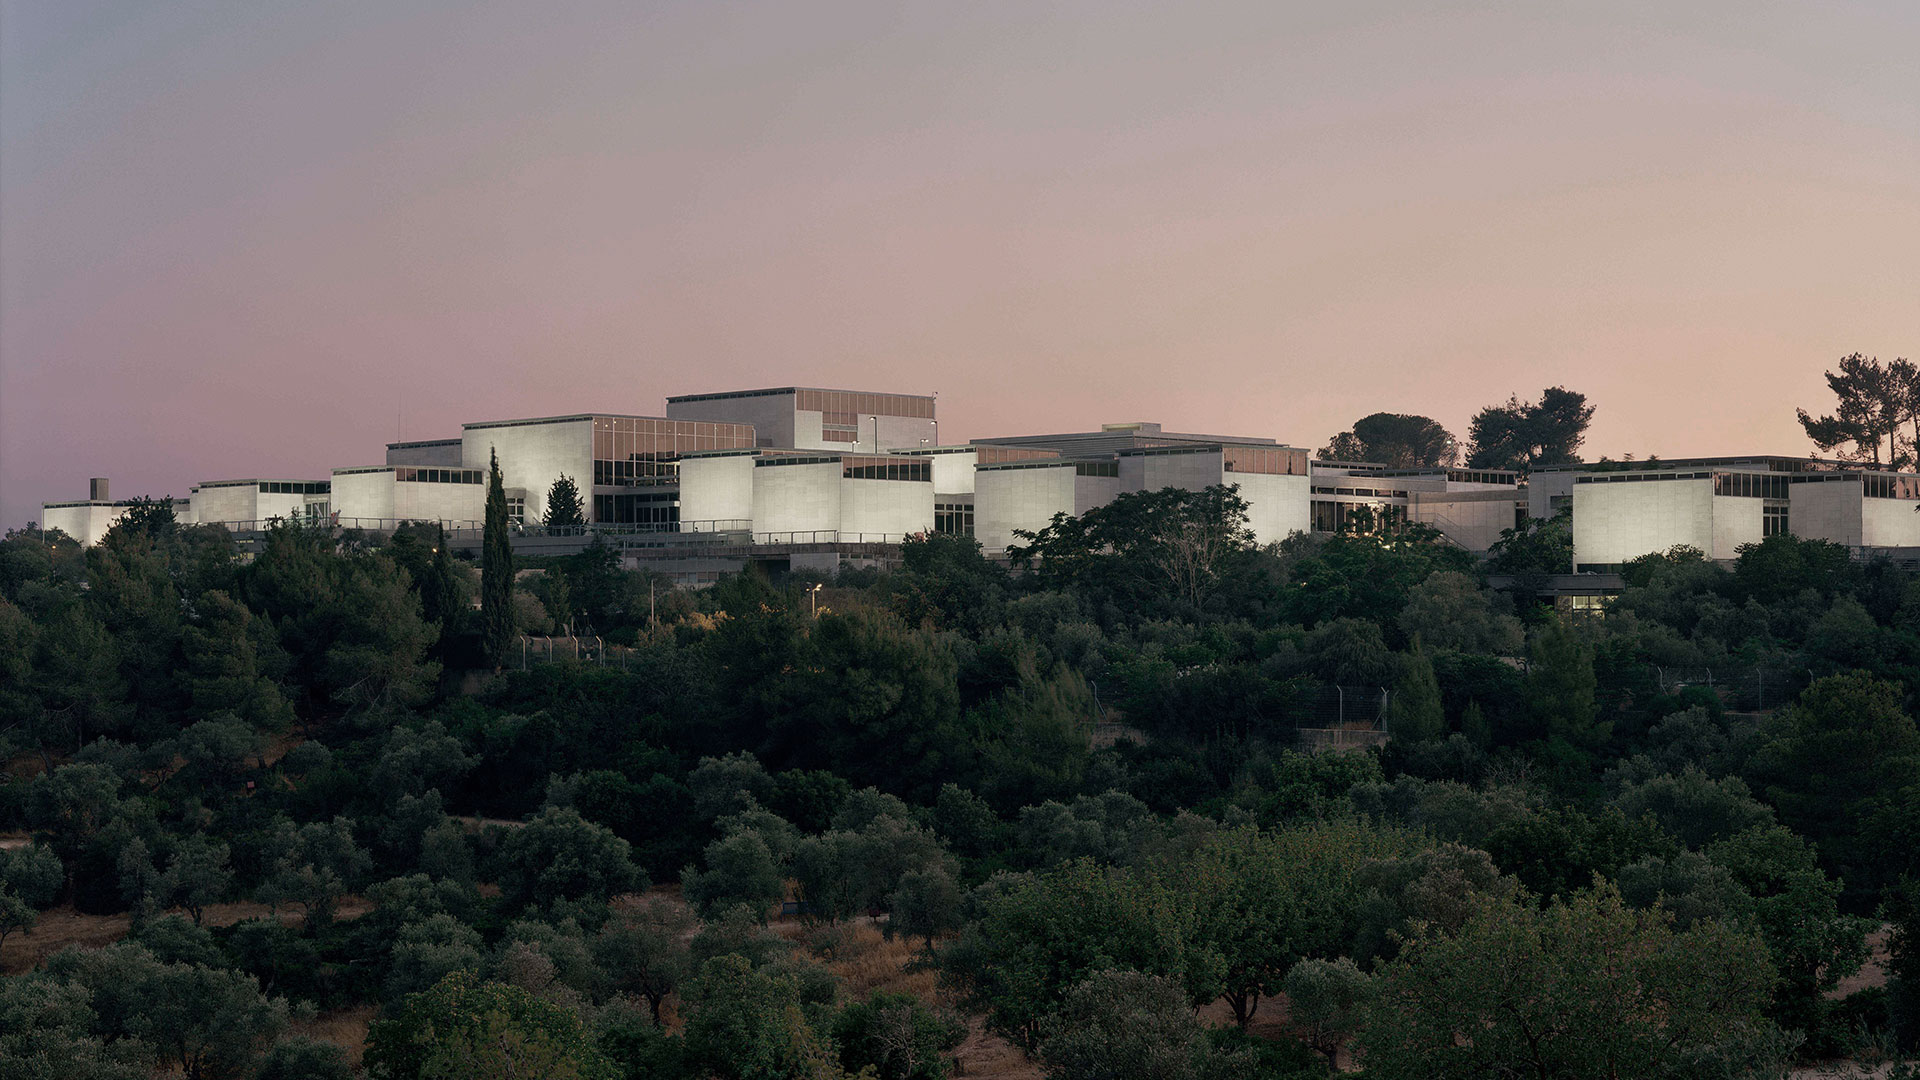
<point>261,240</point>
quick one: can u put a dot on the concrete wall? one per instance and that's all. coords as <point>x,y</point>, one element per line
<point>798,498</point>
<point>953,473</point>
<point>1027,498</point>
<point>533,456</point>
<point>1542,487</point>
<point>890,508</point>
<point>716,489</point>
<point>1617,522</point>
<point>1737,520</point>
<point>278,504</point>
<point>1827,511</point>
<point>1277,506</point>
<point>227,503</point>
<point>367,496</point>
<point>86,522</point>
<point>459,503</point>
<point>445,453</point>
<point>1886,522</point>
<point>1093,492</point>
<point>1473,519</point>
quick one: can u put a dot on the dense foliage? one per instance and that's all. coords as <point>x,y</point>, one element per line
<point>1647,843</point>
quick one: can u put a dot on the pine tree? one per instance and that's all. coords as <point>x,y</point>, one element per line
<point>1561,684</point>
<point>1415,714</point>
<point>496,571</point>
<point>564,511</point>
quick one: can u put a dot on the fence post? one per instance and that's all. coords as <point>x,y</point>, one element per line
<point>1340,706</point>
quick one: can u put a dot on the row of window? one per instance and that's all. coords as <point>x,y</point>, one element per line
<point>870,468</point>
<point>1753,485</point>
<point>640,470</point>
<point>650,509</point>
<point>859,404</point>
<point>409,474</point>
<point>621,438</point>
<point>294,487</point>
<point>1366,492</point>
<point>1332,517</point>
<point>1096,468</point>
<point>1270,461</point>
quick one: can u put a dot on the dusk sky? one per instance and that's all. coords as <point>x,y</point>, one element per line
<point>263,239</point>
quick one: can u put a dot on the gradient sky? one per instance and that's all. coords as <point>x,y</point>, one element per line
<point>263,239</point>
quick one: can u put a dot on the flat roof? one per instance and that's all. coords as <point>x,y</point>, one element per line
<point>422,442</point>
<point>777,391</point>
<point>1655,464</point>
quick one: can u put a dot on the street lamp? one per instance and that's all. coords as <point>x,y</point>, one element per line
<point>876,433</point>
<point>813,594</point>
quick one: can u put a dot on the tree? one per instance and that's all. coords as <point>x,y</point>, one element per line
<point>645,952</point>
<point>299,1057</point>
<point>496,571</point>
<point>898,1036</point>
<point>1415,714</point>
<point>564,514</point>
<point>1124,1025</point>
<point>1399,440</point>
<point>926,903</point>
<point>1874,401</point>
<point>1525,435</point>
<point>1845,756</point>
<point>1586,988</point>
<point>464,1027</point>
<point>561,856</point>
<point>1326,1000</point>
<point>746,1024</point>
<point>740,871</point>
<point>318,862</point>
<point>197,875</point>
<point>1561,684</point>
<point>1172,547</point>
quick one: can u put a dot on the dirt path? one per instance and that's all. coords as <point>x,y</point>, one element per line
<point>63,926</point>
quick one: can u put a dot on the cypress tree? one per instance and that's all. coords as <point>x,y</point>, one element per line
<point>1415,714</point>
<point>496,571</point>
<point>564,510</point>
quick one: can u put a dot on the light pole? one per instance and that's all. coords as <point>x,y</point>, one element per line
<point>936,431</point>
<point>876,433</point>
<point>813,595</point>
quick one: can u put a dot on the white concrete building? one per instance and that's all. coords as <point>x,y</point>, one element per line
<point>244,505</point>
<point>1272,480</point>
<point>441,452</point>
<point>803,496</point>
<point>1027,494</point>
<point>385,496</point>
<point>627,467</point>
<point>810,418</point>
<point>1717,505</point>
<point>1471,507</point>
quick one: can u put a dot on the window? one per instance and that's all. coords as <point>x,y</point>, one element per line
<point>1773,520</point>
<point>653,509</point>
<point>516,510</point>
<point>953,519</point>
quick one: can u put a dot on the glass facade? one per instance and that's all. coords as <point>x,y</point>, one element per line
<point>846,408</point>
<point>296,487</point>
<point>657,509</point>
<point>996,455</point>
<point>641,451</point>
<point>1752,485</point>
<point>1328,516</point>
<point>1096,468</point>
<point>1270,460</point>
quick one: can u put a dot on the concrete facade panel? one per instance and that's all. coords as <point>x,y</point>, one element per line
<point>715,490</point>
<point>1617,522</point>
<point>1026,498</point>
<point>890,508</point>
<point>797,498</point>
<point>533,456</point>
<point>1826,511</point>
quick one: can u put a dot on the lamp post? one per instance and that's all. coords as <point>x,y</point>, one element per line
<point>876,433</point>
<point>813,595</point>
